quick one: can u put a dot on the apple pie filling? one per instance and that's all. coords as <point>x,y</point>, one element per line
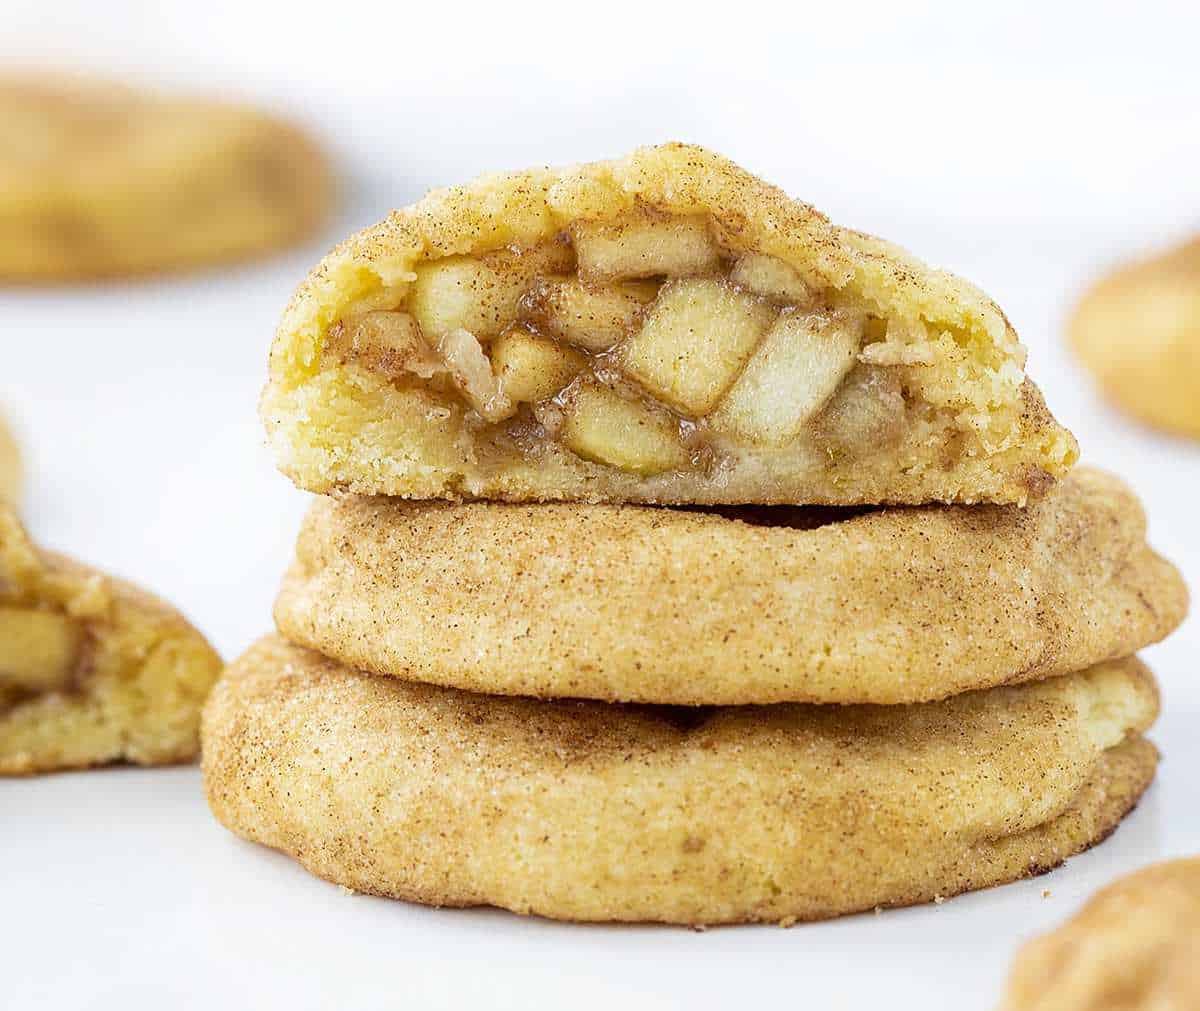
<point>41,651</point>
<point>639,344</point>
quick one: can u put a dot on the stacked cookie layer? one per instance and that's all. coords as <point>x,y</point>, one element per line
<point>596,709</point>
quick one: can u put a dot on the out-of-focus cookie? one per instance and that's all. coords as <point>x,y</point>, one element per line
<point>92,670</point>
<point>661,328</point>
<point>98,180</point>
<point>696,608</point>
<point>1135,946</point>
<point>590,811</point>
<point>1138,331</point>
<point>10,465</point>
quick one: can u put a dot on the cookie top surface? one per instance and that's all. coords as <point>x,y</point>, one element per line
<point>1138,331</point>
<point>1135,946</point>
<point>694,607</point>
<point>100,180</point>
<point>93,670</point>
<point>594,811</point>
<point>664,328</point>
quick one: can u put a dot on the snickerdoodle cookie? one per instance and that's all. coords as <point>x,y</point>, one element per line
<point>668,606</point>
<point>99,180</point>
<point>1138,331</point>
<point>662,328</point>
<point>1134,947</point>
<point>590,811</point>
<point>92,670</point>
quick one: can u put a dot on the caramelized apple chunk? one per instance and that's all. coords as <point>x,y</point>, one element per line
<point>772,278</point>
<point>796,369</point>
<point>480,294</point>
<point>471,371</point>
<point>645,243</point>
<point>593,317</point>
<point>387,342</point>
<point>531,368</point>
<point>603,426</point>
<point>39,650</point>
<point>867,412</point>
<point>694,342</point>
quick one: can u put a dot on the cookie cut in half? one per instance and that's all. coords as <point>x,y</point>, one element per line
<point>1138,331</point>
<point>694,607</point>
<point>587,811</point>
<point>92,670</point>
<point>664,328</point>
<point>99,180</point>
<point>1135,946</point>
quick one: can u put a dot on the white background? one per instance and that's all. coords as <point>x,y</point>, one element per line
<point>1024,148</point>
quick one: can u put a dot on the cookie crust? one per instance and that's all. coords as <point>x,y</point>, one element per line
<point>585,811</point>
<point>685,607</point>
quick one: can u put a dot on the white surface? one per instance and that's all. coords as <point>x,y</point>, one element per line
<point>1023,154</point>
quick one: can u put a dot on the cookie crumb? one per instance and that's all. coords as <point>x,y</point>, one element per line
<point>787,921</point>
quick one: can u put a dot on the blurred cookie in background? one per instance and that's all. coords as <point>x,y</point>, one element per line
<point>10,465</point>
<point>98,180</point>
<point>1135,945</point>
<point>1138,331</point>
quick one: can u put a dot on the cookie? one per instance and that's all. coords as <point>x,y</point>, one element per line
<point>10,465</point>
<point>1138,332</point>
<point>589,811</point>
<point>100,181</point>
<point>92,670</point>
<point>1135,946</point>
<point>665,328</point>
<point>693,607</point>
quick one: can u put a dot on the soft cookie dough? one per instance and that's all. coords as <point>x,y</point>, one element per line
<point>1134,947</point>
<point>98,180</point>
<point>92,670</point>
<point>1138,331</point>
<point>652,605</point>
<point>663,328</point>
<point>588,811</point>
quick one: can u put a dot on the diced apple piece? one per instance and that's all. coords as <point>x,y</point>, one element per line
<point>866,412</point>
<point>594,317</point>
<point>471,371</point>
<point>772,278</point>
<point>480,294</point>
<point>387,342</point>
<point>695,341</point>
<point>797,368</point>
<point>645,243</point>
<point>38,649</point>
<point>532,368</point>
<point>603,426</point>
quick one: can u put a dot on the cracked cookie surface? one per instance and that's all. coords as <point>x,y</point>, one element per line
<point>588,811</point>
<point>698,607</point>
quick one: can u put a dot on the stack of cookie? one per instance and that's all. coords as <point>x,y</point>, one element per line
<point>510,669</point>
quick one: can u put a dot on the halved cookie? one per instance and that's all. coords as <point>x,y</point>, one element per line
<point>690,607</point>
<point>92,670</point>
<point>1135,946</point>
<point>1138,331</point>
<point>587,811</point>
<point>662,328</point>
<point>98,180</point>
